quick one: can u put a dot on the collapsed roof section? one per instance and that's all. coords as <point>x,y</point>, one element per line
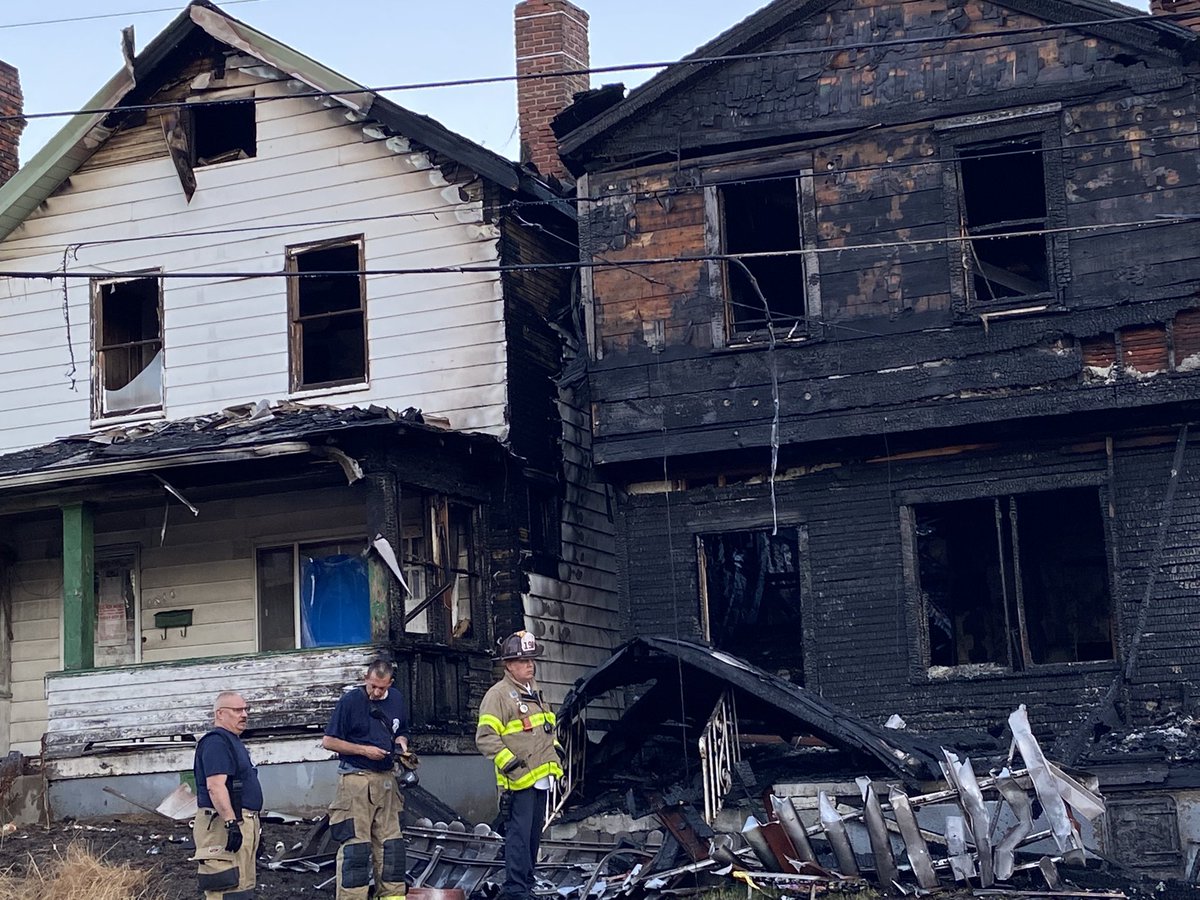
<point>688,680</point>
<point>251,431</point>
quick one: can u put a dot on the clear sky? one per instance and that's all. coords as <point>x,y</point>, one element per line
<point>375,42</point>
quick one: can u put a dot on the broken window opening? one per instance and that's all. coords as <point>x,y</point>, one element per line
<point>1003,191</point>
<point>222,132</point>
<point>751,597</point>
<point>442,574</point>
<point>328,308</point>
<point>1015,580</point>
<point>545,517</point>
<point>127,329</point>
<point>313,595</point>
<point>763,216</point>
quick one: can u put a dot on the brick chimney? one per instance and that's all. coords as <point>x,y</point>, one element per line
<point>1184,12</point>
<point>11,104</point>
<point>552,36</point>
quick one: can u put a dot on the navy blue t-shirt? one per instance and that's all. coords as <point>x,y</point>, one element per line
<point>360,720</point>
<point>221,752</point>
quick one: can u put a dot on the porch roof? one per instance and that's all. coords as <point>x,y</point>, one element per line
<point>252,431</point>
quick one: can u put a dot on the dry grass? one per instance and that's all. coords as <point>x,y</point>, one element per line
<point>78,874</point>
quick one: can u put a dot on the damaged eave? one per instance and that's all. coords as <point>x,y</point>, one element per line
<point>96,470</point>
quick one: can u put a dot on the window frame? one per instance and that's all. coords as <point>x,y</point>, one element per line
<point>294,545</point>
<point>434,520</point>
<point>209,101</point>
<point>956,135</point>
<point>97,286</point>
<point>808,614</point>
<point>1006,492</point>
<point>295,323</point>
<point>724,332</point>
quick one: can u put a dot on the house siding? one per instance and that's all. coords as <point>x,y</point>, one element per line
<point>206,564</point>
<point>436,342</point>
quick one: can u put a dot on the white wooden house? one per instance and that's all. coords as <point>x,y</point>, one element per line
<point>260,264</point>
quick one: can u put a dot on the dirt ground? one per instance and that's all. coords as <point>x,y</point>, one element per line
<point>162,848</point>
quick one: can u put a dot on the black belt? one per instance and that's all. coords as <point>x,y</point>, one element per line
<point>245,812</point>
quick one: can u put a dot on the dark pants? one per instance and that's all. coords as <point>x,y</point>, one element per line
<point>522,834</point>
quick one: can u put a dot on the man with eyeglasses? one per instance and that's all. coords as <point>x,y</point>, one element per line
<point>368,730</point>
<point>229,797</point>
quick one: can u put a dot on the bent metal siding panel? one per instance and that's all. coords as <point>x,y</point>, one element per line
<point>225,338</point>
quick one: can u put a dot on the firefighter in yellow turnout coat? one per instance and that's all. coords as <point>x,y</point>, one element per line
<point>517,732</point>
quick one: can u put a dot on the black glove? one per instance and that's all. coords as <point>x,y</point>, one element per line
<point>505,806</point>
<point>233,837</point>
<point>513,765</point>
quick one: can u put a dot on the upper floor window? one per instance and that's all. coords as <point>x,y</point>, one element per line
<point>1013,580</point>
<point>127,336</point>
<point>1006,204</point>
<point>221,132</point>
<point>764,216</point>
<point>1003,192</point>
<point>328,307</point>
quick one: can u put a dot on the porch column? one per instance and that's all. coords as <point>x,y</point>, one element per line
<point>79,587</point>
<point>383,518</point>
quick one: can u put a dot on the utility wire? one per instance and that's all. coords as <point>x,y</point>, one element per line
<point>605,264</point>
<point>120,15</point>
<point>632,67</point>
<point>649,194</point>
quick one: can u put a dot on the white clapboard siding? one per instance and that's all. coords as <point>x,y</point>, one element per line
<point>158,701</point>
<point>206,564</point>
<point>36,585</point>
<point>436,341</point>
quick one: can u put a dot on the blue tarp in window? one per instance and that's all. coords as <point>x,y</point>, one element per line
<point>335,604</point>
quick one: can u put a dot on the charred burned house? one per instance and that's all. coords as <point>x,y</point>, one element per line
<point>285,404</point>
<point>893,333</point>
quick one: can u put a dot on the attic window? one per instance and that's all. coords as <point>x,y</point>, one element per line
<point>222,132</point>
<point>763,216</point>
<point>127,336</point>
<point>1003,191</point>
<point>328,313</point>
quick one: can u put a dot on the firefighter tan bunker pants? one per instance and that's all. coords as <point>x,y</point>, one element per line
<point>365,816</point>
<point>223,875</point>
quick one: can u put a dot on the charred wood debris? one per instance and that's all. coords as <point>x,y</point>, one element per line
<point>720,773</point>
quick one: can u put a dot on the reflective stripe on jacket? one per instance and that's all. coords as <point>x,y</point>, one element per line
<point>506,733</point>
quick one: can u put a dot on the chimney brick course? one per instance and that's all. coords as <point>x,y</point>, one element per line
<point>551,36</point>
<point>12,103</point>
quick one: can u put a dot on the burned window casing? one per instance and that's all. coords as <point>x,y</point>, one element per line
<point>1003,188</point>
<point>328,337</point>
<point>127,337</point>
<point>313,594</point>
<point>441,559</point>
<point>1015,580</point>
<point>751,596</point>
<point>764,215</point>
<point>222,132</point>
<point>1005,201</point>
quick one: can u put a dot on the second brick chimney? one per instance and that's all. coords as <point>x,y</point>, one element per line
<point>12,105</point>
<point>1182,12</point>
<point>552,36</point>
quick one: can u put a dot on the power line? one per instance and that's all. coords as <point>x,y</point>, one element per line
<point>120,15</point>
<point>60,274</point>
<point>651,194</point>
<point>630,67</point>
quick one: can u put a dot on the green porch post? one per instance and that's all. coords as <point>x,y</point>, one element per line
<point>79,587</point>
